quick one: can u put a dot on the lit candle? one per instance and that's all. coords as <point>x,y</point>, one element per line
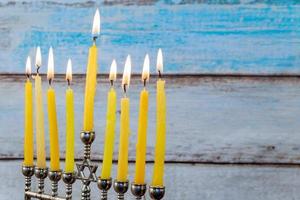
<point>52,118</point>
<point>28,118</point>
<point>40,130</point>
<point>91,78</point>
<point>110,124</point>
<point>160,147</point>
<point>70,129</point>
<point>141,144</point>
<point>124,125</point>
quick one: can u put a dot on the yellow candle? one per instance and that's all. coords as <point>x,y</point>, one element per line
<point>28,119</point>
<point>53,131</point>
<point>90,90</point>
<point>40,131</point>
<point>70,129</point>
<point>52,118</point>
<point>124,141</point>
<point>91,79</point>
<point>124,127</point>
<point>110,126</point>
<point>160,147</point>
<point>141,145</point>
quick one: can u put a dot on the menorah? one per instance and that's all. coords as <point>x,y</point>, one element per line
<point>120,187</point>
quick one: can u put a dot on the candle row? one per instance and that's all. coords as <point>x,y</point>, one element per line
<point>88,117</point>
<point>110,122</point>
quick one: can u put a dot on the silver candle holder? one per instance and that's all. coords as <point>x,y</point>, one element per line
<point>120,187</point>
<point>28,172</point>
<point>104,185</point>
<point>138,190</point>
<point>69,179</point>
<point>54,177</point>
<point>157,192</point>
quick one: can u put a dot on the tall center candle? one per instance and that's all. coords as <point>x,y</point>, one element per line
<point>124,126</point>
<point>40,130</point>
<point>91,79</point>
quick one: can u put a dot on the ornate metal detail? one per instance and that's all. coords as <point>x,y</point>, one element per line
<point>87,137</point>
<point>86,178</point>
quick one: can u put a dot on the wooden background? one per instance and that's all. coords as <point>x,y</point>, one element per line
<point>228,137</point>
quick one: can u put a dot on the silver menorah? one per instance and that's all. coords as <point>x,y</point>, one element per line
<point>87,137</point>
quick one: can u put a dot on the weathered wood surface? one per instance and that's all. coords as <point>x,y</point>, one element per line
<point>189,182</point>
<point>212,36</point>
<point>210,119</point>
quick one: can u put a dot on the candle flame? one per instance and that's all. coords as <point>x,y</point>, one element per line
<point>50,72</point>
<point>96,23</point>
<point>127,73</point>
<point>38,57</point>
<point>69,71</point>
<point>28,66</point>
<point>113,71</point>
<point>159,61</point>
<point>146,73</point>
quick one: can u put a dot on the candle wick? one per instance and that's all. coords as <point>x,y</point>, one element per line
<point>37,69</point>
<point>28,75</point>
<point>145,80</point>
<point>50,81</point>
<point>159,74</point>
<point>124,88</point>
<point>94,39</point>
<point>69,82</point>
<point>111,83</point>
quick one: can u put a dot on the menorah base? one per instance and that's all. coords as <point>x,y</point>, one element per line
<point>120,187</point>
<point>42,196</point>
